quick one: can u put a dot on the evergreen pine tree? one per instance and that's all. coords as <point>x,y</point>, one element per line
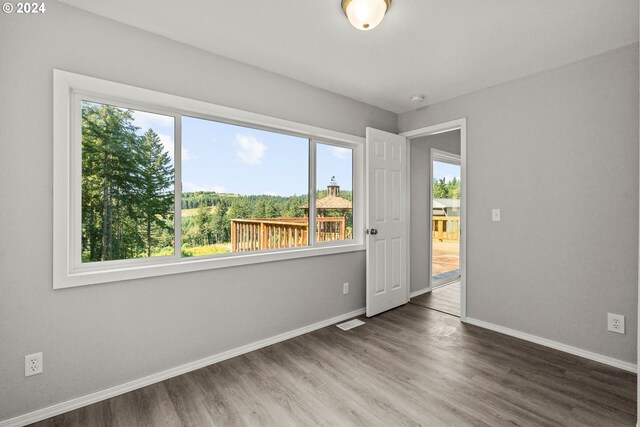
<point>155,197</point>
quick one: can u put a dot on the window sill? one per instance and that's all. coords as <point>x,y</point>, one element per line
<point>186,265</point>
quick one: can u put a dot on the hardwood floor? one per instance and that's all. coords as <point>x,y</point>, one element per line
<point>409,366</point>
<point>444,298</point>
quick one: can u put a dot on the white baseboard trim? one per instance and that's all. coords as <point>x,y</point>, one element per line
<point>98,396</point>
<point>555,345</point>
<point>420,292</point>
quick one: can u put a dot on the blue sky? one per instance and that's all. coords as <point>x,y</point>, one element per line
<point>233,159</point>
<point>334,161</point>
<point>446,170</point>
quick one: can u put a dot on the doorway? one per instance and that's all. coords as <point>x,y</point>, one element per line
<point>445,218</point>
<point>443,234</point>
<point>438,275</point>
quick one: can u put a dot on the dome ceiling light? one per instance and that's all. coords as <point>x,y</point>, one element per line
<point>365,14</point>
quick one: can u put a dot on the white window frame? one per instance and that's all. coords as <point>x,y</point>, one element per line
<point>68,270</point>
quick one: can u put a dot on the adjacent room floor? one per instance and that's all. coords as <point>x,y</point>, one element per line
<point>408,366</point>
<point>445,298</point>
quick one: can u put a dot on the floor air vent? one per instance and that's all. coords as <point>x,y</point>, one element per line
<point>350,324</point>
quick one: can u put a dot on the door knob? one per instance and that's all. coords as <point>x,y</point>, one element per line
<point>373,231</point>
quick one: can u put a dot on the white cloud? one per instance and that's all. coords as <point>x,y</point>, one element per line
<point>167,144</point>
<point>340,152</point>
<point>188,186</point>
<point>146,120</point>
<point>250,150</point>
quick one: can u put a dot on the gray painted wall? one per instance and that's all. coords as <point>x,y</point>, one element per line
<point>551,139</point>
<point>420,176</point>
<point>100,336</point>
<point>555,151</point>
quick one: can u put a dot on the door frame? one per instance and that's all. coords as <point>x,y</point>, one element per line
<point>442,157</point>
<point>460,124</point>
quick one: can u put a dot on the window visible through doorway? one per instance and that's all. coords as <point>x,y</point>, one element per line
<point>445,223</point>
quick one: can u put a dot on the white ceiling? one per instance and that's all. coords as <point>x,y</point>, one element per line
<point>438,48</point>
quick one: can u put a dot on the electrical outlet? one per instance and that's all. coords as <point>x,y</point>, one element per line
<point>345,288</point>
<point>32,364</point>
<point>495,214</point>
<point>615,323</point>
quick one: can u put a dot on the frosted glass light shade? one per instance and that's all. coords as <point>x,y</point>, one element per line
<point>365,14</point>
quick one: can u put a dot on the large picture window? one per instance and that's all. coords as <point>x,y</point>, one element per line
<point>149,184</point>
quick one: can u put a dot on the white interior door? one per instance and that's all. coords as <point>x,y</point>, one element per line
<point>386,221</point>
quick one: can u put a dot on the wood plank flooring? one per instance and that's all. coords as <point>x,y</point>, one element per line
<point>407,367</point>
<point>445,298</point>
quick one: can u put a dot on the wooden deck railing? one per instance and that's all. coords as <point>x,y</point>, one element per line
<point>330,228</point>
<point>446,227</point>
<point>272,233</point>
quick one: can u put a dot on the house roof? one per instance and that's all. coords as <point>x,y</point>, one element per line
<point>331,202</point>
<point>446,203</point>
